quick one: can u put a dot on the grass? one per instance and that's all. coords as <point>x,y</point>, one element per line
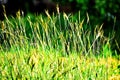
<point>48,64</point>
<point>57,46</point>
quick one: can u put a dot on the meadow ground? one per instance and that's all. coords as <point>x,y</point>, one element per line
<point>47,64</point>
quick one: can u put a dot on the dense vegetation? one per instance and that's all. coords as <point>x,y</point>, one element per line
<point>105,11</point>
<point>69,32</point>
<point>76,45</point>
<point>48,64</point>
<point>57,46</point>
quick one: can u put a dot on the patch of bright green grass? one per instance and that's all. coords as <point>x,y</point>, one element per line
<point>49,64</point>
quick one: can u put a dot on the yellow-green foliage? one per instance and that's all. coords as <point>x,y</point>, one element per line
<point>50,65</point>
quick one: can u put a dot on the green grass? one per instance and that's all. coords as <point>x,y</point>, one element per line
<point>47,64</point>
<point>58,46</point>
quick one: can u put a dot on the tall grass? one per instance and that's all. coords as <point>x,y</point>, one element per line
<point>60,31</point>
<point>57,46</point>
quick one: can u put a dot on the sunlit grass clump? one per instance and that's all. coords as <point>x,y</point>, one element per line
<point>57,46</point>
<point>49,65</point>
